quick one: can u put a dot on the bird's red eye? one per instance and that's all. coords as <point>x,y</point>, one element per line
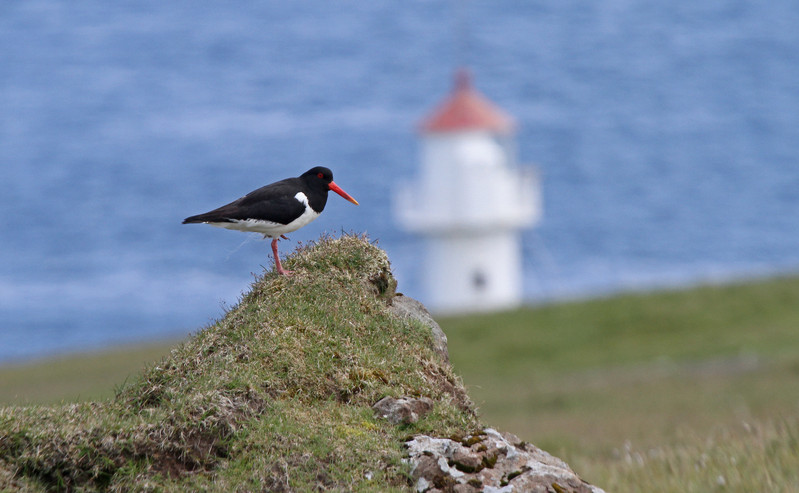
<point>320,175</point>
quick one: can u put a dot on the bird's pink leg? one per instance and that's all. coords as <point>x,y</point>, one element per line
<point>279,267</point>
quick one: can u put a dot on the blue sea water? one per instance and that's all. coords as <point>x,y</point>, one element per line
<point>667,134</point>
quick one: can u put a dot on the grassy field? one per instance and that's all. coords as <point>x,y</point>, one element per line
<point>76,377</point>
<point>689,390</point>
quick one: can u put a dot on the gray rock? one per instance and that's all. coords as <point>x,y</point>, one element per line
<point>405,410</point>
<point>489,462</point>
<point>407,307</point>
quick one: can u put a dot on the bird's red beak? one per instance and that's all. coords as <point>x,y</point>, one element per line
<point>341,192</point>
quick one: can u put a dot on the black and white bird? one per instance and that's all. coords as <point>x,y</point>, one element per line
<point>278,208</point>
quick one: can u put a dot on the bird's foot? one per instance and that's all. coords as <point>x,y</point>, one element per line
<point>280,270</point>
<point>284,237</point>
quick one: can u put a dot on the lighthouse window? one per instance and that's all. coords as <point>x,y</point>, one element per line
<point>479,280</point>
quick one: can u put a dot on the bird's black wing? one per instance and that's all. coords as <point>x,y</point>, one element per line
<point>275,202</point>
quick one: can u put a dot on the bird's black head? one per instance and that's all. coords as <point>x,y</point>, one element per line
<point>318,174</point>
<point>321,177</point>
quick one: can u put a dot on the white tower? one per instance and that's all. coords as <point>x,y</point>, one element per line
<point>469,203</point>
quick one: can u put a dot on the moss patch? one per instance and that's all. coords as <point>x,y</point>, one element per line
<point>275,395</point>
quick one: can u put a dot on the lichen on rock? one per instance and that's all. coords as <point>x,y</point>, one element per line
<point>495,462</point>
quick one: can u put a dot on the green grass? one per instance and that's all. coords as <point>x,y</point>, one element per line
<point>760,455</point>
<point>676,391</point>
<point>76,377</point>
<point>669,378</point>
<point>277,396</point>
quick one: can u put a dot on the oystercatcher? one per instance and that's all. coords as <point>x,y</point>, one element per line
<point>277,209</point>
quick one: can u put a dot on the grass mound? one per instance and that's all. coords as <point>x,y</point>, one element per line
<point>276,395</point>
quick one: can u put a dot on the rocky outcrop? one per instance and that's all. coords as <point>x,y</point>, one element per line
<point>489,462</point>
<point>405,410</point>
<point>407,307</point>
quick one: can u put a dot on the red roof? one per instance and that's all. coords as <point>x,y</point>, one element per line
<point>467,109</point>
